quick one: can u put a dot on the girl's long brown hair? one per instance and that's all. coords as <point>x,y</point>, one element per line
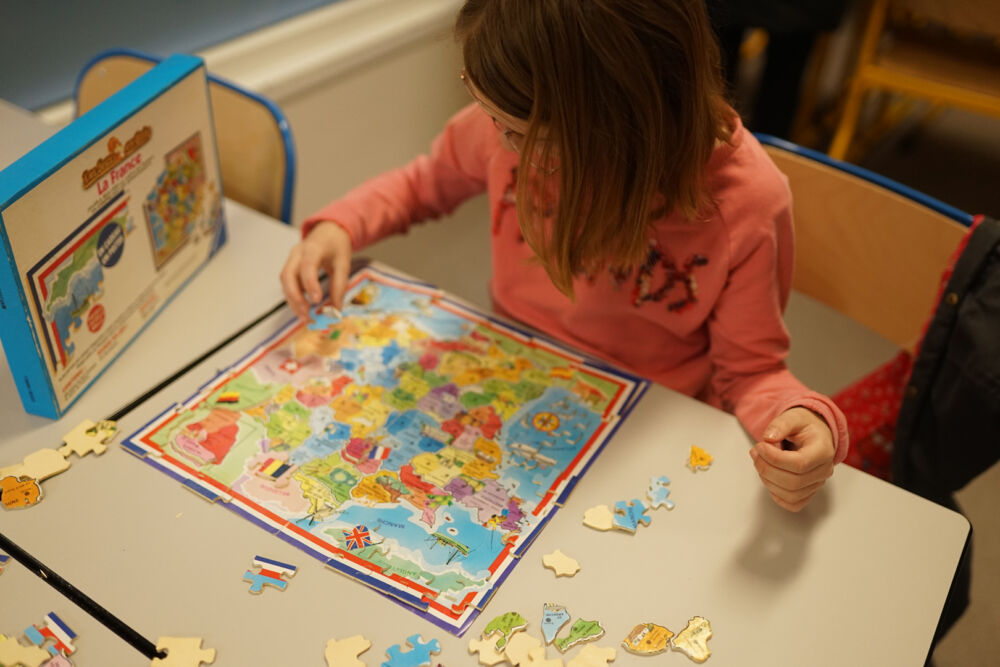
<point>624,96</point>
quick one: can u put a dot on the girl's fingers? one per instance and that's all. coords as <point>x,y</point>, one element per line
<point>290,283</point>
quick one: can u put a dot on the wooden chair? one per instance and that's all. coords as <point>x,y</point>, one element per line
<point>256,151</point>
<point>946,52</point>
<point>868,247</point>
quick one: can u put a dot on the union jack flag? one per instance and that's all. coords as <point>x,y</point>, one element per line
<point>357,538</point>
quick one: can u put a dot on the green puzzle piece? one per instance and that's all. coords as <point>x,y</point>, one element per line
<point>506,624</point>
<point>582,631</point>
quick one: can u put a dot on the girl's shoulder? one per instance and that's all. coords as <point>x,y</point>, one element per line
<point>750,195</point>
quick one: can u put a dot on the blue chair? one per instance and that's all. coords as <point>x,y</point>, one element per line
<point>256,150</point>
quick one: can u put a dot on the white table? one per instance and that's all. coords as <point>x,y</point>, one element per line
<point>857,578</point>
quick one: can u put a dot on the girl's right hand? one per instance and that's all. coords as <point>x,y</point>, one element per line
<point>327,247</point>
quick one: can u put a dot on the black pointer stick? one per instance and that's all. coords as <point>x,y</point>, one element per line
<point>105,617</point>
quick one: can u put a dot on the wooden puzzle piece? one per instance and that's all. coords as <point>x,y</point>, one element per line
<point>13,652</point>
<point>182,652</point>
<point>599,517</point>
<point>593,656</point>
<point>692,641</point>
<point>419,654</point>
<point>4,559</point>
<point>554,617</point>
<point>88,437</point>
<point>38,465</point>
<point>55,629</point>
<point>628,515</point>
<point>581,631</point>
<point>506,624</point>
<point>19,492</point>
<point>272,573</point>
<point>58,661</point>
<point>699,459</point>
<point>345,652</point>
<point>519,647</point>
<point>647,639</point>
<point>537,658</point>
<point>487,650</point>
<point>561,564</point>
<point>657,493</point>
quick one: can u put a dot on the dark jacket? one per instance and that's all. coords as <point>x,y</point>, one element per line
<point>948,430</point>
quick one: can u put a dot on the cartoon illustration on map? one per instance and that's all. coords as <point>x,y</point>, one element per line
<point>415,445</point>
<point>68,284</point>
<point>179,199</point>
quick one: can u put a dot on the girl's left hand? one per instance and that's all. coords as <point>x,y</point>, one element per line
<point>794,475</point>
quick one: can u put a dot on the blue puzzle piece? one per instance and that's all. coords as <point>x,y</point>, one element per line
<point>418,656</point>
<point>553,618</point>
<point>628,515</point>
<point>657,493</point>
<point>258,581</point>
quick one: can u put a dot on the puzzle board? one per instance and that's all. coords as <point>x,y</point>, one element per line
<point>415,445</point>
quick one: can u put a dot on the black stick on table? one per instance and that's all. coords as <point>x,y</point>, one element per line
<point>81,600</point>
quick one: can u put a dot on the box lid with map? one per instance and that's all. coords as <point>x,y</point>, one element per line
<point>101,225</point>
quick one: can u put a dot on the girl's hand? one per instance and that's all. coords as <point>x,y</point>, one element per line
<point>327,247</point>
<point>794,473</point>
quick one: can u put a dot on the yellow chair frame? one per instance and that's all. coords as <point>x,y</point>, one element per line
<point>919,63</point>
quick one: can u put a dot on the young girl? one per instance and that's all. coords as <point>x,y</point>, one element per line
<point>632,214</point>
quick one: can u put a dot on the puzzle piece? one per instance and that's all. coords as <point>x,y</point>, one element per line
<point>38,465</point>
<point>345,652</point>
<point>19,492</point>
<point>487,650</point>
<point>692,641</point>
<point>13,652</point>
<point>561,564</point>
<point>657,493</point>
<point>519,648</point>
<point>182,652</point>
<point>419,654</point>
<point>581,631</point>
<point>88,437</point>
<point>599,517</point>
<point>272,573</point>
<point>699,459</point>
<point>628,515</point>
<point>4,559</point>
<point>593,656</point>
<point>55,629</point>
<point>647,639</point>
<point>506,624</point>
<point>554,617</point>
<point>58,661</point>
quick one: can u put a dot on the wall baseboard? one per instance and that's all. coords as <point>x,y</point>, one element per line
<point>288,58</point>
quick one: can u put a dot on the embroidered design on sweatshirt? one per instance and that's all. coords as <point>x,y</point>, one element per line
<point>643,289</point>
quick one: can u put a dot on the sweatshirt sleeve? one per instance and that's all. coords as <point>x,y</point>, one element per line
<point>749,343</point>
<point>428,187</point>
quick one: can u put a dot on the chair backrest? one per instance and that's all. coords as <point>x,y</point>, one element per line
<point>256,151</point>
<point>866,246</point>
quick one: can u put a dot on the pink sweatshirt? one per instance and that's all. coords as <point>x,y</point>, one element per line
<point>703,316</point>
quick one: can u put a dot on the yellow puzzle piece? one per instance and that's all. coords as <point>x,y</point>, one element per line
<point>647,639</point>
<point>699,459</point>
<point>692,641</point>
